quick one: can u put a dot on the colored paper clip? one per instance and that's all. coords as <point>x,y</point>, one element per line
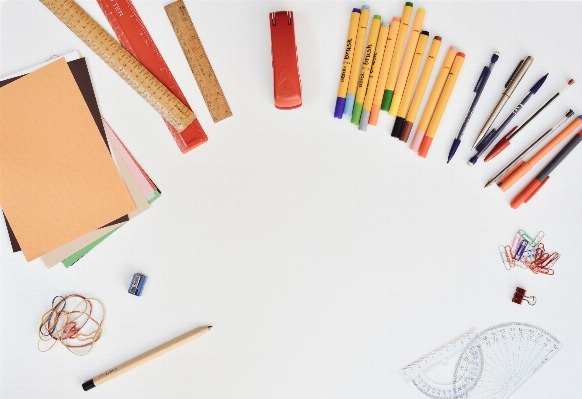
<point>516,241</point>
<point>543,261</point>
<point>520,249</point>
<point>533,242</point>
<point>528,254</point>
<point>286,80</point>
<point>507,256</point>
<point>525,236</point>
<point>520,296</point>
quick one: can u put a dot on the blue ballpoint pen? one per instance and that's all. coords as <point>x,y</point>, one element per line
<point>478,90</point>
<point>494,133</point>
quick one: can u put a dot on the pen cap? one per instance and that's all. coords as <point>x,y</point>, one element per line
<point>406,130</point>
<point>528,192</point>
<point>517,75</point>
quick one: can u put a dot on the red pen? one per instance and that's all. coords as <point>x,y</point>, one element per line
<point>542,178</point>
<point>505,141</point>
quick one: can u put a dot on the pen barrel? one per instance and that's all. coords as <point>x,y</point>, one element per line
<point>518,76</point>
<point>514,176</point>
<point>556,140</point>
<point>349,61</point>
<point>560,156</point>
<point>149,355</point>
<point>491,119</point>
<point>478,91</point>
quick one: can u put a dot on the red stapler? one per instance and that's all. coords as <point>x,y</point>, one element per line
<point>286,80</point>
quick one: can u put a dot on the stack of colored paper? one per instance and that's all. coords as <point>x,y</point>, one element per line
<point>66,180</point>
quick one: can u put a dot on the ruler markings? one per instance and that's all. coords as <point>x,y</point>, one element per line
<point>135,38</point>
<point>198,61</point>
<point>121,61</point>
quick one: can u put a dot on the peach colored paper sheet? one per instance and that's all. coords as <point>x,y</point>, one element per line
<point>49,143</point>
<point>55,257</point>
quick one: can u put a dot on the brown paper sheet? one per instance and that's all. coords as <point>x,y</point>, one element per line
<point>49,144</point>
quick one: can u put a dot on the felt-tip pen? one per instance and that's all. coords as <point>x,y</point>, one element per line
<point>542,178</point>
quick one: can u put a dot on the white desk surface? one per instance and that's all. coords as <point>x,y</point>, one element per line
<point>325,258</point>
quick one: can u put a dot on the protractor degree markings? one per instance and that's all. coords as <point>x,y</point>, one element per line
<point>499,361</point>
<point>496,373</point>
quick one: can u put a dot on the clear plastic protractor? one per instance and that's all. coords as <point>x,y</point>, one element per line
<point>511,354</point>
<point>467,373</point>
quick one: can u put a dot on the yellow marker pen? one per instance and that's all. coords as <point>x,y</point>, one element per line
<point>355,71</point>
<point>366,68</point>
<point>421,87</point>
<point>395,63</point>
<point>373,81</point>
<point>410,82</point>
<point>340,102</point>
<point>386,60</point>
<point>406,61</point>
<point>442,105</point>
<point>433,99</point>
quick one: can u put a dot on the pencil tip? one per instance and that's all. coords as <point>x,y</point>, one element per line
<point>487,185</point>
<point>209,327</point>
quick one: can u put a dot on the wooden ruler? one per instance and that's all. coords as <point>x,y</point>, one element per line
<point>135,38</point>
<point>198,61</point>
<point>122,62</point>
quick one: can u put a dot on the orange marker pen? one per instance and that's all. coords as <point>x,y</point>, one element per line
<point>525,166</point>
<point>442,104</point>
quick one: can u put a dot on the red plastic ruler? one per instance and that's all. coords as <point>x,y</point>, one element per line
<point>133,35</point>
<point>122,62</point>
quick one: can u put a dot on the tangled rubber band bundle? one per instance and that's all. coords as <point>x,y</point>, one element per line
<point>528,253</point>
<point>74,321</point>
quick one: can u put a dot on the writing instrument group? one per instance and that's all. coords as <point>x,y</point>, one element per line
<point>382,71</point>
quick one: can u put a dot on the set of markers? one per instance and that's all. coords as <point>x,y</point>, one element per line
<point>382,74</point>
<point>387,78</point>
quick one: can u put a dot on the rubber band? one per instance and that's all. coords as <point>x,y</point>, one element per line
<point>74,321</point>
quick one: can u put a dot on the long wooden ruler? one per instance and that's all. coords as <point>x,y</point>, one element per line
<point>122,62</point>
<point>135,38</point>
<point>198,61</point>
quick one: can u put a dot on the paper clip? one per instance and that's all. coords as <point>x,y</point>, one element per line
<point>543,261</point>
<point>537,239</point>
<point>507,256</point>
<point>520,249</point>
<point>525,236</point>
<point>528,254</point>
<point>286,79</point>
<point>520,296</point>
<point>516,241</point>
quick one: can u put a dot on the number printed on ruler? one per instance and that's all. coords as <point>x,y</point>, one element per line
<point>122,62</point>
<point>198,61</point>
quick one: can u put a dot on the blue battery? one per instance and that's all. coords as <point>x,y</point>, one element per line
<point>137,283</point>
